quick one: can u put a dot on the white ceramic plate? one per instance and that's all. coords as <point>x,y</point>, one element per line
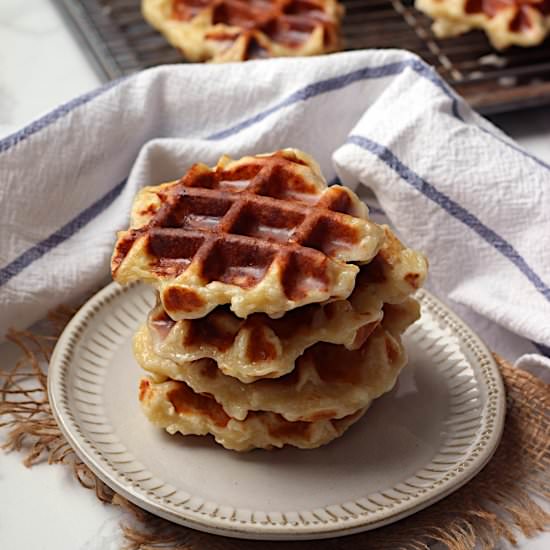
<point>431,434</point>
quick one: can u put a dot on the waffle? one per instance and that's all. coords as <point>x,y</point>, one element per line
<point>506,22</point>
<point>175,407</point>
<point>237,30</point>
<point>261,347</point>
<point>264,234</point>
<point>328,381</point>
<point>391,277</point>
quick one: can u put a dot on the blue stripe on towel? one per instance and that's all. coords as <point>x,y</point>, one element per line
<point>453,208</point>
<point>61,111</point>
<point>542,349</point>
<point>337,83</point>
<point>62,234</point>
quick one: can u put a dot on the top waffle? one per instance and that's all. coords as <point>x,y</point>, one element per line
<point>506,22</point>
<point>237,30</point>
<point>264,234</point>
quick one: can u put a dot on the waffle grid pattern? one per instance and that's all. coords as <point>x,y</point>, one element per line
<point>264,226</point>
<point>237,30</point>
<point>506,22</point>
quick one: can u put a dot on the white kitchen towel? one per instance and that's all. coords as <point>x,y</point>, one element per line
<point>450,183</point>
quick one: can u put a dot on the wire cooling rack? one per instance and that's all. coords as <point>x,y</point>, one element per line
<point>120,42</point>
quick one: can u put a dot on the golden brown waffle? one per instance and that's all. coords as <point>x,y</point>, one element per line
<point>506,22</point>
<point>175,407</point>
<point>263,233</point>
<point>237,30</point>
<point>395,273</point>
<point>328,381</point>
<point>258,347</point>
<point>261,347</point>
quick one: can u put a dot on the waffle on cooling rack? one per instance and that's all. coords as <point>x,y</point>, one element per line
<point>263,233</point>
<point>506,22</point>
<point>238,30</point>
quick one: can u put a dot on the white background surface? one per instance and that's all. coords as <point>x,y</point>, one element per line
<point>42,66</point>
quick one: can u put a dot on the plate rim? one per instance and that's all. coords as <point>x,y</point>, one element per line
<point>232,527</point>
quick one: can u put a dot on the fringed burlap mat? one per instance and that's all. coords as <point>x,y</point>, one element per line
<point>498,503</point>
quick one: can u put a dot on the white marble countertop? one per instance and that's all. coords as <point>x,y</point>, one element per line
<point>42,66</point>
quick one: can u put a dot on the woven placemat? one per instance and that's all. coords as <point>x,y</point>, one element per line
<point>499,503</point>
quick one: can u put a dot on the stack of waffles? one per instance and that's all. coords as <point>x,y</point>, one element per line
<point>280,304</point>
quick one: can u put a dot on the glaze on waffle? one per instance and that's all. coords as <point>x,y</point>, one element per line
<point>237,30</point>
<point>175,407</point>
<point>328,381</point>
<point>263,233</point>
<point>506,22</point>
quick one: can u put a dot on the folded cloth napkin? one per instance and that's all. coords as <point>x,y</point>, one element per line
<point>450,183</point>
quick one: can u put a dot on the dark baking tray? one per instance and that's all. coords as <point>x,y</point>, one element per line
<point>121,42</point>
